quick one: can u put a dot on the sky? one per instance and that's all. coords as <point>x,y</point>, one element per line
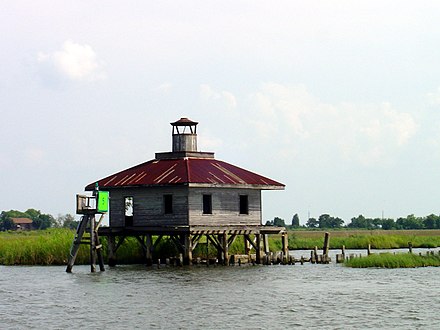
<point>338,100</point>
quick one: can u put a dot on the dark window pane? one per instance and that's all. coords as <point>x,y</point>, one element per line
<point>207,204</point>
<point>244,204</point>
<point>168,204</point>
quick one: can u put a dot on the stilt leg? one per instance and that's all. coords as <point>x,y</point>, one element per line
<point>111,242</point>
<point>225,249</point>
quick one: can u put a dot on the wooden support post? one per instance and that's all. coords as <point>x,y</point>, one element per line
<point>187,259</point>
<point>76,242</point>
<point>98,247</point>
<point>285,245</point>
<point>92,245</point>
<point>343,251</point>
<point>266,243</point>
<point>207,250</point>
<point>247,248</point>
<point>369,249</point>
<point>149,250</point>
<point>315,251</point>
<point>258,249</point>
<point>111,242</point>
<point>220,249</point>
<point>225,249</point>
<point>326,244</point>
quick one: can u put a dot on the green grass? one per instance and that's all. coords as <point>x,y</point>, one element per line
<point>51,247</point>
<point>389,260</point>
<point>359,239</point>
<point>48,247</point>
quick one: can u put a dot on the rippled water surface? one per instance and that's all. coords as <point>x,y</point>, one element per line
<point>247,297</point>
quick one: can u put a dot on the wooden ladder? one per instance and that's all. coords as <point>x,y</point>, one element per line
<point>87,224</point>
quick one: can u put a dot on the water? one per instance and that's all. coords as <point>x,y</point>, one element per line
<point>247,297</point>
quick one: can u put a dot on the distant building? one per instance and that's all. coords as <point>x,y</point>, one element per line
<point>22,223</point>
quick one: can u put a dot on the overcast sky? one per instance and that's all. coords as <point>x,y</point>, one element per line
<point>339,100</point>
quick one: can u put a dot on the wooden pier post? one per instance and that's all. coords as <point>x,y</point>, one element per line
<point>285,246</point>
<point>219,248</point>
<point>265,243</point>
<point>187,258</point>
<point>258,250</point>
<point>326,244</point>
<point>111,243</point>
<point>92,245</point>
<point>247,248</point>
<point>315,252</point>
<point>369,249</point>
<point>148,250</point>
<point>225,249</point>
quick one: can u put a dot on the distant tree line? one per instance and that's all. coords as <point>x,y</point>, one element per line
<point>431,221</point>
<point>39,220</point>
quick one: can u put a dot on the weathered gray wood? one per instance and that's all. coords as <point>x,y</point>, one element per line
<point>225,207</point>
<point>148,208</point>
<point>258,249</point>
<point>77,241</point>
<point>187,258</point>
<point>149,249</point>
<point>285,247</point>
<point>92,244</point>
<point>111,242</point>
<point>265,243</point>
<point>326,244</point>
<point>225,249</point>
<point>247,249</point>
<point>187,206</point>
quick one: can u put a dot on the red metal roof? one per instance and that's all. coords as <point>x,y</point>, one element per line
<point>185,171</point>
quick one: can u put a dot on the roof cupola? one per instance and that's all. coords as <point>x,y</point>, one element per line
<point>184,135</point>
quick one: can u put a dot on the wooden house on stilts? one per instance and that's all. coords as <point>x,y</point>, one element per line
<point>184,195</point>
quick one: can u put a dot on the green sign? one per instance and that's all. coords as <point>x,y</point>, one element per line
<point>102,201</point>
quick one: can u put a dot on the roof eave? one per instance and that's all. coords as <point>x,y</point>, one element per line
<point>240,186</point>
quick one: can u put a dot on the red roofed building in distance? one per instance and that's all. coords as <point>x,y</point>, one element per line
<point>185,191</point>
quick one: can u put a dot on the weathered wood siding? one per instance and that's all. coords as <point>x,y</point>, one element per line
<point>148,208</point>
<point>225,207</point>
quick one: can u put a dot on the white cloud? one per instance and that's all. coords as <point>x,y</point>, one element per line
<point>223,99</point>
<point>74,62</point>
<point>34,155</point>
<point>368,134</point>
<point>434,98</point>
<point>163,88</point>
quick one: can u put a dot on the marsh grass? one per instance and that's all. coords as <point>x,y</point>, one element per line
<point>359,239</point>
<point>389,260</point>
<point>48,247</point>
<point>52,246</point>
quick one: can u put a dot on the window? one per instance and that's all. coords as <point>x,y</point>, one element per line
<point>244,204</point>
<point>128,203</point>
<point>207,204</point>
<point>168,204</point>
